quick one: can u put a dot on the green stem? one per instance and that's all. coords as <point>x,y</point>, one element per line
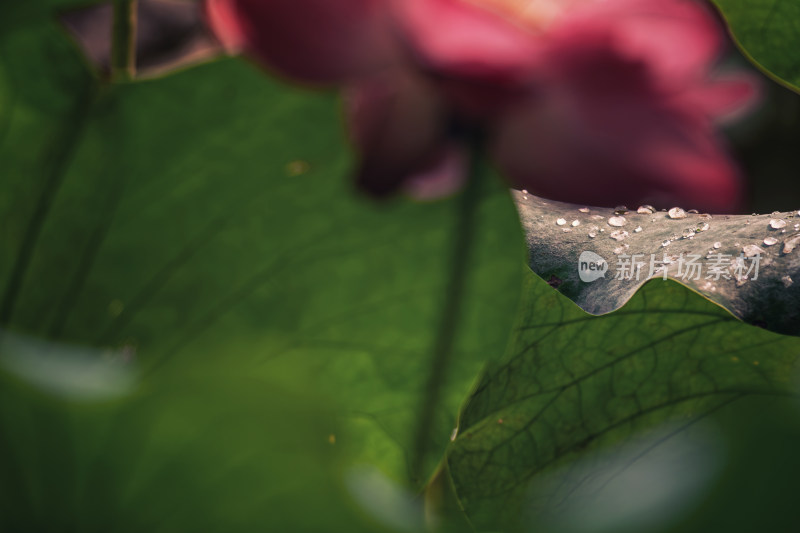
<point>123,43</point>
<point>461,255</point>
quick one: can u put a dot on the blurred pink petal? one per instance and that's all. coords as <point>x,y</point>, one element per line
<point>677,39</point>
<point>601,131</point>
<point>317,41</point>
<point>444,177</point>
<point>590,101</point>
<point>398,125</point>
<point>226,24</point>
<point>725,98</point>
<point>455,38</point>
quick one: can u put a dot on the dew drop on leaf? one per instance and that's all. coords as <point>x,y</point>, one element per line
<point>619,235</point>
<point>790,244</point>
<point>676,212</point>
<point>752,250</point>
<point>777,223</point>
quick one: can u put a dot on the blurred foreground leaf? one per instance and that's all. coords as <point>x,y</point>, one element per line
<point>194,455</point>
<point>205,225</point>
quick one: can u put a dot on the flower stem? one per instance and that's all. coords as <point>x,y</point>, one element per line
<point>444,344</point>
<point>123,40</point>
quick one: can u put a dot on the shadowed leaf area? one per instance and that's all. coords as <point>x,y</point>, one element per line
<point>204,224</point>
<point>571,384</point>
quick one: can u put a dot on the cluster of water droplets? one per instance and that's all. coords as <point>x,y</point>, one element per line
<point>618,221</point>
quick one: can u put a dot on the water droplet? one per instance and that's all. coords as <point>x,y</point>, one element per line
<point>598,217</point>
<point>693,211</point>
<point>790,244</point>
<point>638,229</point>
<point>567,230</point>
<point>717,245</point>
<point>777,223</point>
<point>646,210</point>
<point>561,221</point>
<point>524,191</point>
<point>676,212</point>
<point>593,231</point>
<point>576,223</point>
<point>584,209</point>
<point>787,281</point>
<point>617,222</point>
<point>665,244</point>
<point>770,241</point>
<point>688,233</point>
<point>708,286</point>
<point>620,210</point>
<point>775,213</point>
<point>621,249</point>
<point>703,226</point>
<point>705,216</point>
<point>674,237</point>
<point>619,235</point>
<point>752,250</point>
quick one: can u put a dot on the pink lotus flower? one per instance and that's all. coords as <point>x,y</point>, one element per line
<point>589,101</point>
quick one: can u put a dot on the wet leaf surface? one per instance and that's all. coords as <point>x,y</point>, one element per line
<point>748,264</point>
